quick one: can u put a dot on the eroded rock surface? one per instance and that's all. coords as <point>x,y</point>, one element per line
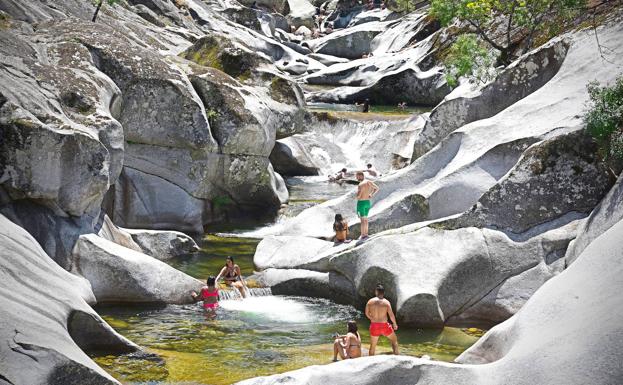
<point>45,320</point>
<point>121,275</point>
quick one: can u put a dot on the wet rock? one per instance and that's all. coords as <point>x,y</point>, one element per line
<point>314,284</point>
<point>54,324</point>
<point>121,275</point>
<point>524,76</point>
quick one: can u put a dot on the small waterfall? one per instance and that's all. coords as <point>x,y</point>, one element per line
<point>233,293</point>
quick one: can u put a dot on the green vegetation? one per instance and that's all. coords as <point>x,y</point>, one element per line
<point>604,119</point>
<point>468,56</point>
<point>221,201</point>
<point>212,115</point>
<point>206,54</point>
<point>507,25</point>
<point>99,6</point>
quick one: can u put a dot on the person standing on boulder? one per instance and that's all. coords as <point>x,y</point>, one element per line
<point>378,309</point>
<point>366,190</point>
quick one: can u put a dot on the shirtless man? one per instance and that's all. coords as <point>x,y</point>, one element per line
<point>377,311</point>
<point>366,190</point>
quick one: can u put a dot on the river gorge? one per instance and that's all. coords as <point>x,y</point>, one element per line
<point>144,141</point>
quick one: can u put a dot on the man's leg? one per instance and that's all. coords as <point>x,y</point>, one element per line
<point>364,227</point>
<point>373,342</point>
<point>394,340</point>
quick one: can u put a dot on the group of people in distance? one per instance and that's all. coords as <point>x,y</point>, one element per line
<point>232,276</point>
<point>379,311</point>
<point>366,189</point>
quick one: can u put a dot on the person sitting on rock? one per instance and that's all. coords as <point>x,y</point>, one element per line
<point>371,170</point>
<point>208,294</point>
<point>340,226</point>
<point>338,176</point>
<point>378,309</point>
<point>349,345</point>
<point>232,276</point>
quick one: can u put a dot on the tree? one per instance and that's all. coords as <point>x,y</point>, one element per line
<point>506,24</point>
<point>468,56</point>
<point>99,5</point>
<point>604,119</point>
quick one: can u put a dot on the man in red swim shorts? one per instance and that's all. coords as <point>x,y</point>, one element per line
<point>377,311</point>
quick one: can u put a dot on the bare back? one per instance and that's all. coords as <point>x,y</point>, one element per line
<point>378,310</point>
<point>365,190</point>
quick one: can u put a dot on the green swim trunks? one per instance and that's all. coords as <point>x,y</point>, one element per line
<point>363,208</point>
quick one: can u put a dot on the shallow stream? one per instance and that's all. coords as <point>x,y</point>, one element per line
<point>257,336</point>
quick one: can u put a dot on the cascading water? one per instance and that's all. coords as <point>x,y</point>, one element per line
<point>234,293</point>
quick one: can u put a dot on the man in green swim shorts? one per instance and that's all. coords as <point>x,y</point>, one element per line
<point>366,190</point>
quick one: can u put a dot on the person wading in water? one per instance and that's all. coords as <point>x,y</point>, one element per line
<point>378,309</point>
<point>366,190</point>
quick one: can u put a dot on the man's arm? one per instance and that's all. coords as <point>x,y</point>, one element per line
<point>375,189</point>
<point>392,317</point>
<point>368,311</point>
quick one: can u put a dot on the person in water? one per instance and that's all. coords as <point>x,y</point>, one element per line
<point>208,294</point>
<point>340,226</point>
<point>378,309</point>
<point>232,276</point>
<point>349,345</point>
<point>366,190</point>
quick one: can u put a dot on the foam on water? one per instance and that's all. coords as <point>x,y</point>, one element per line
<point>274,308</point>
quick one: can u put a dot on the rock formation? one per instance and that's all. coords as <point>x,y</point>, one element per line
<point>46,318</point>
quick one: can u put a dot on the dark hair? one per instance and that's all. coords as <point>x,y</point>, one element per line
<point>352,328</point>
<point>359,173</point>
<point>380,289</point>
<point>211,281</point>
<point>369,165</point>
<point>338,225</point>
<point>344,169</point>
<point>230,258</point>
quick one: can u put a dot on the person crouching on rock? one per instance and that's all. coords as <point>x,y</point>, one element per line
<point>377,311</point>
<point>349,345</point>
<point>208,294</point>
<point>232,276</point>
<point>340,226</point>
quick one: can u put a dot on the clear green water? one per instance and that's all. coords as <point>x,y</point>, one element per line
<point>258,336</point>
<point>253,337</point>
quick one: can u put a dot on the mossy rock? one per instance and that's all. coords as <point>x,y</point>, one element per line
<point>282,90</point>
<point>214,52</point>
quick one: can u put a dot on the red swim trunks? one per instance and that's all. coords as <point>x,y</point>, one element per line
<point>381,329</point>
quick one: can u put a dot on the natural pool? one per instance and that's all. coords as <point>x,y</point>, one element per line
<point>253,337</point>
<point>257,336</point>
